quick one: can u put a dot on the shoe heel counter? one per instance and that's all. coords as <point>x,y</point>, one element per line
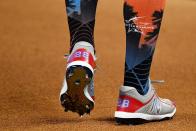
<point>82,55</point>
<point>128,104</point>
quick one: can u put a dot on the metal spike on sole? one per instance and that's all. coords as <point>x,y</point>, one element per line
<point>87,76</point>
<point>70,75</point>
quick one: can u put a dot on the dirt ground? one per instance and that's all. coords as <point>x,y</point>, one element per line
<point>33,39</point>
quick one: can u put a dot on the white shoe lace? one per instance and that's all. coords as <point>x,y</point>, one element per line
<point>157,81</point>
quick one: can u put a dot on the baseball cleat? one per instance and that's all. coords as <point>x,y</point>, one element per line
<point>77,93</point>
<point>134,108</point>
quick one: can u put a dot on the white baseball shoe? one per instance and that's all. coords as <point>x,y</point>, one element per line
<point>134,108</point>
<point>77,93</point>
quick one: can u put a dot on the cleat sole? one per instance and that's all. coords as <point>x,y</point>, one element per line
<point>74,99</point>
<point>136,121</point>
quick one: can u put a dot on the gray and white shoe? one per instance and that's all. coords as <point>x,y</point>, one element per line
<point>134,108</point>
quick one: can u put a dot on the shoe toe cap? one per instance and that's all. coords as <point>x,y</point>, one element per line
<point>168,106</point>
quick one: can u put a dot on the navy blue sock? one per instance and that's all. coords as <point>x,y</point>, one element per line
<point>138,76</point>
<point>81,20</point>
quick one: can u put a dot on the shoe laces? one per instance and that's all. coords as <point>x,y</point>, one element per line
<point>157,81</point>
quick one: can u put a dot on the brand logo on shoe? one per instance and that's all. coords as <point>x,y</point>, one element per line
<point>82,55</point>
<point>123,103</point>
<point>130,104</point>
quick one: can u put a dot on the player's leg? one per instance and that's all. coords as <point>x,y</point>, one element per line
<point>81,20</point>
<point>77,93</point>
<point>138,99</point>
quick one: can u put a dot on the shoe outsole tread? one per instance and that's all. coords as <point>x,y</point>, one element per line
<point>74,99</point>
<point>137,121</point>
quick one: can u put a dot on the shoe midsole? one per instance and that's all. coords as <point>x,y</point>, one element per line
<point>127,115</point>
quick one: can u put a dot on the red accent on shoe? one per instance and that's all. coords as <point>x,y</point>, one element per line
<point>82,55</point>
<point>129,104</point>
<point>174,103</point>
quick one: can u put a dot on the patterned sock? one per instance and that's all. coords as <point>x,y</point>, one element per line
<point>142,22</point>
<point>81,20</point>
<point>81,32</point>
<point>138,76</point>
